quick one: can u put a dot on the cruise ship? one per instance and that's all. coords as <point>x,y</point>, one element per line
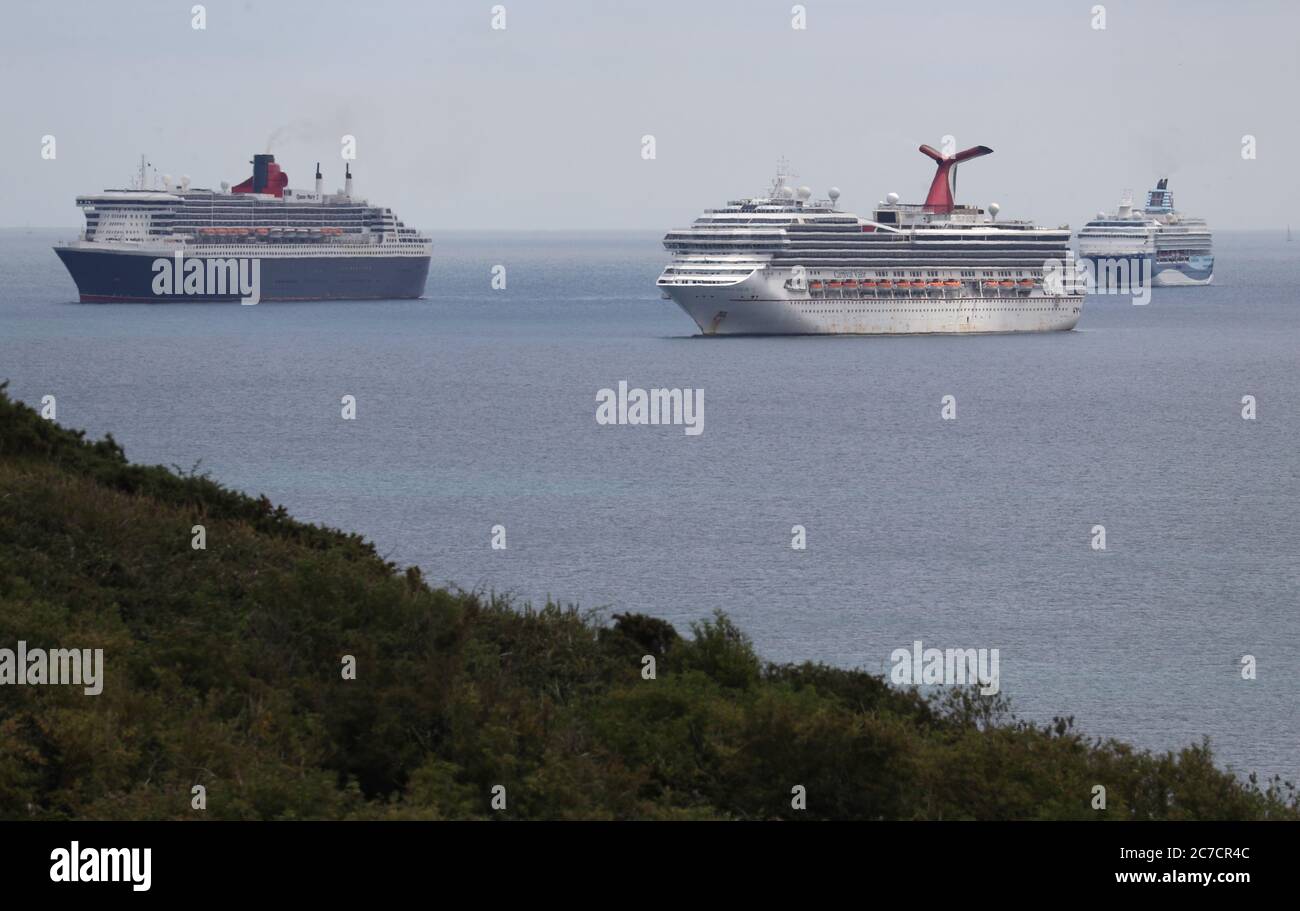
<point>785,264</point>
<point>259,240</point>
<point>1174,249</point>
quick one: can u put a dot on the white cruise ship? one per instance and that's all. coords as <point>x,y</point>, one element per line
<point>1158,240</point>
<point>784,264</point>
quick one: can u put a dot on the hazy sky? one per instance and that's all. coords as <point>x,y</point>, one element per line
<point>460,126</point>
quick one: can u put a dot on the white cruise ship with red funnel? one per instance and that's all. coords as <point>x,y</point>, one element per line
<point>785,264</point>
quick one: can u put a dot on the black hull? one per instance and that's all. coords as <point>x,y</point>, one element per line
<point>106,276</point>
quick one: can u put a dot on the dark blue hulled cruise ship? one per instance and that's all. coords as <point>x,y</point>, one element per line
<point>257,241</point>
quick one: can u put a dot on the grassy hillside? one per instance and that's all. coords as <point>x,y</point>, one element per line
<point>223,668</point>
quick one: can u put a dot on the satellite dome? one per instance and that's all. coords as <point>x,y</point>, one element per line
<point>167,181</point>
<point>892,199</point>
<point>833,193</point>
<point>994,208</point>
<point>805,192</point>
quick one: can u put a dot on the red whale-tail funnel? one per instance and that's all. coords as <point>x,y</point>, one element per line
<point>939,198</point>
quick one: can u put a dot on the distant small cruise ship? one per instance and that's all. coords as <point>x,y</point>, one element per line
<point>784,264</point>
<point>305,244</point>
<point>1175,249</point>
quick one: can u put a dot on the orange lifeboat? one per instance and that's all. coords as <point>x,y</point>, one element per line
<point>952,284</point>
<point>814,286</point>
<point>1007,284</point>
<point>851,283</point>
<point>1026,283</point>
<point>870,284</point>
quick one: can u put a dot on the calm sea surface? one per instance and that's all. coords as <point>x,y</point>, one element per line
<point>476,408</point>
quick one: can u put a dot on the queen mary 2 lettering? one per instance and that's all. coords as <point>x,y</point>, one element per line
<point>257,241</point>
<point>783,264</point>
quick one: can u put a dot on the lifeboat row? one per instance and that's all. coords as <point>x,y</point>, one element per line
<point>853,284</point>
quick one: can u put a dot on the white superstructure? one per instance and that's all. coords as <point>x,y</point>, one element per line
<point>1175,249</point>
<point>783,263</point>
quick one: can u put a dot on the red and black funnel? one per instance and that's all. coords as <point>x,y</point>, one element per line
<point>939,198</point>
<point>267,178</point>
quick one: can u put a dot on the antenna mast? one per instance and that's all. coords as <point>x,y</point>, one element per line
<point>782,173</point>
